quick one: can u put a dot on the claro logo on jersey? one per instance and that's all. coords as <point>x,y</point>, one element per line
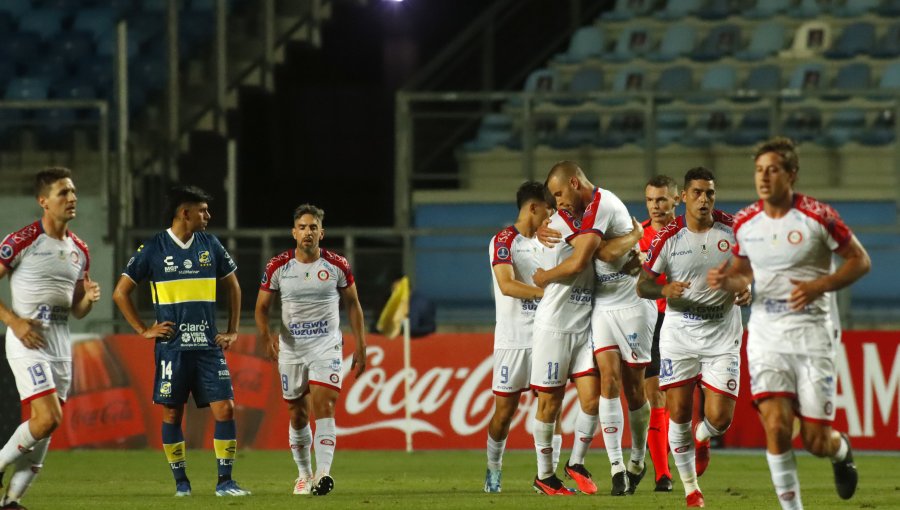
<point>193,333</point>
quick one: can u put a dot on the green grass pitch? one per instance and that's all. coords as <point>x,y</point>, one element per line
<point>425,480</point>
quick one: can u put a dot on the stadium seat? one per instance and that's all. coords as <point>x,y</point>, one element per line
<point>629,79</point>
<point>15,7</point>
<point>27,88</point>
<point>856,39</point>
<point>679,9</point>
<point>761,80</point>
<point>72,88</point>
<point>106,44</point>
<point>586,42</point>
<point>767,40</point>
<point>889,8</point>
<point>716,10</point>
<point>805,78</point>
<point>159,6</point>
<point>540,80</point>
<point>627,9</point>
<point>146,28</point>
<point>671,127</point>
<point>97,21</point>
<point>20,47</point>
<point>583,128</point>
<point>495,130</point>
<point>767,9</point>
<point>588,79</point>
<point>852,80</point>
<point>722,40</point>
<point>151,71</point>
<point>54,126</point>
<point>854,8</point>
<point>889,44</point>
<point>811,38</point>
<point>51,67</point>
<point>806,9</point>
<point>881,132</point>
<point>99,72</point>
<point>844,126</point>
<point>889,84</point>
<point>678,41</point>
<point>718,82</point>
<point>711,128</point>
<point>803,125</point>
<point>674,82</point>
<point>45,22</point>
<point>634,41</point>
<point>196,27</point>
<point>624,127</point>
<point>73,46</point>
<point>753,128</point>
<point>7,72</point>
<point>204,5</point>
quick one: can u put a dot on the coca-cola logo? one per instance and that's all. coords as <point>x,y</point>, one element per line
<point>112,413</point>
<point>787,496</point>
<point>327,442</point>
<point>682,449</point>
<point>548,449</point>
<point>611,430</point>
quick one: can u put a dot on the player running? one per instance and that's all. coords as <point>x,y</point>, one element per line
<point>784,243</point>
<point>48,269</point>
<point>310,281</point>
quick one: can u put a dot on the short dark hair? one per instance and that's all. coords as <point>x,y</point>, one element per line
<point>46,177</point>
<point>784,147</point>
<point>662,181</point>
<point>529,190</point>
<point>302,209</point>
<point>698,173</point>
<point>180,195</point>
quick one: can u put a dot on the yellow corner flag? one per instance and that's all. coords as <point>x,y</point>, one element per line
<point>396,309</point>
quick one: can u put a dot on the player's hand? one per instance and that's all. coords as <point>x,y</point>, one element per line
<point>359,360</point>
<point>637,231</point>
<point>91,289</point>
<point>28,331</point>
<point>540,278</point>
<point>224,340</point>
<point>715,278</point>
<point>674,290</point>
<point>548,236</point>
<point>159,330</point>
<point>272,345</point>
<point>633,265</point>
<point>744,297</point>
<point>804,293</point>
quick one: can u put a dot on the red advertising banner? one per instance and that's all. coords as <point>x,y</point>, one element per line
<point>450,396</point>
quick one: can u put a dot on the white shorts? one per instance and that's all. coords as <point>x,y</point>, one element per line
<point>807,378</point>
<point>512,371</point>
<point>296,377</point>
<point>557,357</point>
<point>629,330</point>
<point>37,377</point>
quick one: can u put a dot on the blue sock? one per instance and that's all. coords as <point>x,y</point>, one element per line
<point>173,446</point>
<point>225,444</point>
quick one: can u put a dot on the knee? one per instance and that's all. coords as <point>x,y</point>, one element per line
<point>43,425</point>
<point>777,426</point>
<point>592,407</point>
<point>817,442</point>
<point>721,420</point>
<point>548,408</point>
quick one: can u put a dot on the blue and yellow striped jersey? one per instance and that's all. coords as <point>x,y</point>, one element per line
<point>183,284</point>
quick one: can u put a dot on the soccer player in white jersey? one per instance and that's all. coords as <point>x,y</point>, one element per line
<point>700,339</point>
<point>621,322</point>
<point>513,256</point>
<point>784,243</point>
<point>48,275</point>
<point>311,282</point>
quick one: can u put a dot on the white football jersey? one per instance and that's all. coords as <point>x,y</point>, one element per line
<point>608,217</point>
<point>708,316</point>
<point>515,316</point>
<point>566,305</point>
<point>43,274</point>
<point>797,246</point>
<point>310,314</point>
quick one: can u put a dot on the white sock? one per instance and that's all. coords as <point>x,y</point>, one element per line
<point>325,443</point>
<point>557,449</point>
<point>783,468</point>
<point>20,443</point>
<point>585,427</point>
<point>27,468</point>
<point>705,431</point>
<point>495,453</point>
<point>301,441</point>
<point>682,445</point>
<point>842,450</point>
<point>639,422</point>
<point>612,421</point>
<point>543,446</point>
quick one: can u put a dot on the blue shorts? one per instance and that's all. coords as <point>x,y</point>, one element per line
<point>203,374</point>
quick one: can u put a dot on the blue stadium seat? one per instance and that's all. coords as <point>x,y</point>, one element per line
<point>627,9</point>
<point>803,125</point>
<point>73,46</point>
<point>495,130</point>
<point>716,10</point>
<point>674,82</point>
<point>854,8</point>
<point>54,126</point>
<point>588,79</point>
<point>73,88</point>
<point>629,79</point>
<point>856,39</point>
<point>679,9</point>
<point>752,129</point>
<point>671,127</point>
<point>106,44</point>
<point>678,40</point>
<point>767,9</point>
<point>889,45</point>
<point>586,42</point>
<point>45,22</point>
<point>159,6</point>
<point>583,128</point>
<point>806,9</point>
<point>717,82</point>
<point>721,41</point>
<point>27,89</point>
<point>152,72</point>
<point>844,126</point>
<point>624,127</point>
<point>99,72</point>
<point>146,28</point>
<point>50,67</point>
<point>852,79</point>
<point>711,128</point>
<point>881,132</point>
<point>543,80</point>
<point>20,47</point>
<point>97,21</point>
<point>15,7</point>
<point>761,80</point>
<point>634,41</point>
<point>889,8</point>
<point>767,40</point>
<point>805,77</point>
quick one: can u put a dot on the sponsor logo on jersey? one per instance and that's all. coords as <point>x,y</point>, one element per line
<point>6,252</point>
<point>723,245</point>
<point>336,365</point>
<point>795,237</point>
<point>611,430</point>
<point>224,374</point>
<point>329,442</point>
<point>130,261</point>
<point>170,264</point>
<point>323,275</point>
<point>188,264</point>
<point>683,252</point>
<point>193,333</point>
<point>265,277</point>
<point>308,328</point>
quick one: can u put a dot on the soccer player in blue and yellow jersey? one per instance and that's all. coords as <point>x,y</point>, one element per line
<point>184,264</point>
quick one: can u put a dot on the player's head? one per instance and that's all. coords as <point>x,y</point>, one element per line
<point>189,205</point>
<point>662,197</point>
<point>566,181</point>
<point>531,201</point>
<point>55,192</point>
<point>308,229</point>
<point>699,193</point>
<point>777,165</point>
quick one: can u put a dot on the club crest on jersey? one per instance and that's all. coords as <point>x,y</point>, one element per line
<point>6,252</point>
<point>165,388</point>
<point>503,253</point>
<point>265,277</point>
<point>74,257</point>
<point>795,237</point>
<point>577,224</point>
<point>323,275</point>
<point>334,378</point>
<point>723,245</point>
<point>204,258</point>
<point>336,365</point>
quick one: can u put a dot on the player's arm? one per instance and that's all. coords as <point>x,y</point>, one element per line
<point>233,290</point>
<point>357,324</point>
<point>649,288</point>
<point>616,248</point>
<point>856,264</point>
<point>584,247</point>
<point>261,315</point>
<point>26,330</point>
<point>122,299</point>
<point>733,275</point>
<point>509,286</point>
<point>87,292</point>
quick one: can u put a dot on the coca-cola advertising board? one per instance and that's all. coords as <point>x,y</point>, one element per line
<point>451,399</point>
